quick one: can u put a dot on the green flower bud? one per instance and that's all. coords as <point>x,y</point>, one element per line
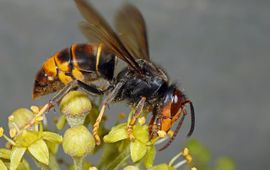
<point>75,106</point>
<point>19,118</point>
<point>78,141</point>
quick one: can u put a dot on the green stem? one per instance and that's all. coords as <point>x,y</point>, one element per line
<point>119,160</point>
<point>9,140</point>
<point>53,163</point>
<point>78,163</point>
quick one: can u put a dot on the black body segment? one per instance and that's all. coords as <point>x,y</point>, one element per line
<point>84,57</point>
<point>87,59</point>
<point>148,85</point>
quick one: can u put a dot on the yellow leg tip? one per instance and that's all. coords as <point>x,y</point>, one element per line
<point>131,137</point>
<point>97,139</point>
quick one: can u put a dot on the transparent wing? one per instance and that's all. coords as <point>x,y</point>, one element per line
<point>97,29</point>
<point>132,31</point>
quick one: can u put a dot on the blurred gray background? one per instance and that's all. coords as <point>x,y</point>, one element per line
<point>217,51</point>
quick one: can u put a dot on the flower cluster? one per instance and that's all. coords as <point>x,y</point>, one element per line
<point>38,143</point>
<point>28,134</point>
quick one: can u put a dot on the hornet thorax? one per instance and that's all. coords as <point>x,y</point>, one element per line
<point>151,84</point>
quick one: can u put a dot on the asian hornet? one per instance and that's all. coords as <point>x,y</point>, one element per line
<point>141,83</point>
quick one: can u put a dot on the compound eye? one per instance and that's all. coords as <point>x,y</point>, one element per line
<point>176,102</point>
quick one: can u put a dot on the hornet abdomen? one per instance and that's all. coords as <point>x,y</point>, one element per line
<point>84,62</point>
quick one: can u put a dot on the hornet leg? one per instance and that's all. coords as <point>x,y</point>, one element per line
<point>105,103</point>
<point>135,116</point>
<point>152,123</point>
<point>72,85</point>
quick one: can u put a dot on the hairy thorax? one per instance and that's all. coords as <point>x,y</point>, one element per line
<point>150,85</point>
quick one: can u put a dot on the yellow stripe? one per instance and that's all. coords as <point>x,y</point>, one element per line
<point>98,56</point>
<point>73,55</point>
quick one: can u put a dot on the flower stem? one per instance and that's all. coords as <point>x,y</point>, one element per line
<point>180,164</point>
<point>78,162</point>
<point>9,140</point>
<point>53,163</point>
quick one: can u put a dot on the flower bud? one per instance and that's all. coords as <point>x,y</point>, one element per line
<point>20,118</point>
<point>78,141</point>
<point>188,158</point>
<point>75,106</point>
<point>185,152</point>
<point>12,132</point>
<point>1,131</point>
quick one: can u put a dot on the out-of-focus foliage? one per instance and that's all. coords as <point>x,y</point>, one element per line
<point>202,158</point>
